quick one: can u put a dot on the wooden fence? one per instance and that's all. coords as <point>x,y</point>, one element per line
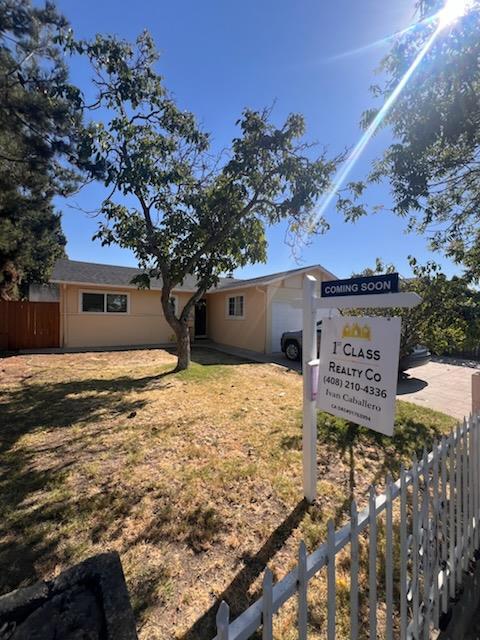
<point>428,553</point>
<point>29,325</point>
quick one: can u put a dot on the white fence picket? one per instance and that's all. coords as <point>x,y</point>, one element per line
<point>444,536</point>
<point>223,615</point>
<point>414,583</point>
<point>465,543</point>
<point>372,564</point>
<point>354,572</point>
<point>471,487</point>
<point>451,517</point>
<point>389,559</point>
<point>458,507</point>
<point>267,613</point>
<point>435,535</point>
<point>426,549</point>
<point>443,561</point>
<point>331,581</point>
<point>302,592</point>
<point>476,479</point>
<point>403,555</point>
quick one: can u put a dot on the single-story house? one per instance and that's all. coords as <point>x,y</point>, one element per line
<point>99,307</point>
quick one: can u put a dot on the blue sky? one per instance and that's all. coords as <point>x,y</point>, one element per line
<point>219,56</point>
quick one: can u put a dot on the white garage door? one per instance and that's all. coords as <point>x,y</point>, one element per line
<point>286,317</point>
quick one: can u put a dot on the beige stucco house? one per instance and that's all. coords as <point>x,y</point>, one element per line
<point>99,307</point>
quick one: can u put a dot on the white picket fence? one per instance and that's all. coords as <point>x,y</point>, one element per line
<point>438,506</point>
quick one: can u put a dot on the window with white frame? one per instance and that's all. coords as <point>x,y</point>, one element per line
<point>236,306</point>
<point>97,302</point>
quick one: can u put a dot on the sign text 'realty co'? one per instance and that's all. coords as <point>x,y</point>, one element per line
<point>358,370</point>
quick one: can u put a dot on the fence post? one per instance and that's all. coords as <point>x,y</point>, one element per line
<point>475,393</point>
<point>309,352</point>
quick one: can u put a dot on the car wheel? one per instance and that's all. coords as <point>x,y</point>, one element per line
<point>292,351</point>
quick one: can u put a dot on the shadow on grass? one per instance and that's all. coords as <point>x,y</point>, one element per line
<point>35,500</point>
<point>237,594</point>
<point>28,528</point>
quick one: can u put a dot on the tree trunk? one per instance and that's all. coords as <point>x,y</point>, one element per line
<point>183,346</point>
<point>9,281</point>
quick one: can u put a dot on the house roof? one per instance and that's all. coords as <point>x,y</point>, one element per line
<point>85,273</point>
<point>91,273</point>
<point>229,283</point>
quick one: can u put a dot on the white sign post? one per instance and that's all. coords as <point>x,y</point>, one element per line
<point>379,415</point>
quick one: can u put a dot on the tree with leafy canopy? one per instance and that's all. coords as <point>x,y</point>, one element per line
<point>447,321</point>
<point>181,210</point>
<point>40,114</point>
<point>433,164</point>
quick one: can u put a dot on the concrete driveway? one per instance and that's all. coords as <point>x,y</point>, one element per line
<point>444,385</point>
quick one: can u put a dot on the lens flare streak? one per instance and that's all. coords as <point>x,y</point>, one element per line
<point>372,128</point>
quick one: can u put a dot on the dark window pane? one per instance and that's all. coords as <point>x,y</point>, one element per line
<point>93,302</point>
<point>116,303</point>
<point>231,306</point>
<point>240,306</point>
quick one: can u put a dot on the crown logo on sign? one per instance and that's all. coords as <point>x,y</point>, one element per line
<point>356,331</point>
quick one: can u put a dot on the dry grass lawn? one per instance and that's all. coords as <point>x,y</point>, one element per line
<point>194,478</point>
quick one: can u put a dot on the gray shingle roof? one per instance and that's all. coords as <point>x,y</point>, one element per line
<point>76,272</point>
<point>236,284</point>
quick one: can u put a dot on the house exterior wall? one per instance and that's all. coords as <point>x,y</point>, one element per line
<point>246,333</point>
<point>288,290</point>
<point>144,323</point>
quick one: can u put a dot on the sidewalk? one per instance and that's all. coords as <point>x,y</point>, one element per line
<point>440,385</point>
<point>254,356</point>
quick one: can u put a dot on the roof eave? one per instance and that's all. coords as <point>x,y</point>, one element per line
<point>105,285</point>
<point>245,283</point>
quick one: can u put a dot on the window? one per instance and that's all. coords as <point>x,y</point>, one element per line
<point>236,306</point>
<point>93,302</point>
<point>104,302</point>
<point>116,303</point>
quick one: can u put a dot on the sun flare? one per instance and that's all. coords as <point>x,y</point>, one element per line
<point>453,10</point>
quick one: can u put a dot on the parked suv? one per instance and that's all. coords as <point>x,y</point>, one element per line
<point>291,345</point>
<point>291,342</point>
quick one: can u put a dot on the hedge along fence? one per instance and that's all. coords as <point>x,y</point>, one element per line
<point>419,538</point>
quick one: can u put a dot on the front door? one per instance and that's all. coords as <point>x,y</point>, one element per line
<point>201,318</point>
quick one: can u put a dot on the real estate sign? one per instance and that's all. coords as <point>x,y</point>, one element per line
<point>358,370</point>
